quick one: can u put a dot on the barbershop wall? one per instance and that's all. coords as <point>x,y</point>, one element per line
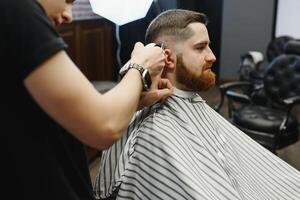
<point>238,27</point>
<point>167,4</point>
<point>247,25</point>
<point>244,26</point>
<point>82,10</point>
<point>135,31</point>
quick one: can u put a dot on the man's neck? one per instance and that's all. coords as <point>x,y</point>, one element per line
<point>192,95</point>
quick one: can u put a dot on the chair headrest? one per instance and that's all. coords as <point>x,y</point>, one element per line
<point>249,66</point>
<point>292,47</point>
<point>276,47</point>
<point>282,77</point>
<point>256,56</point>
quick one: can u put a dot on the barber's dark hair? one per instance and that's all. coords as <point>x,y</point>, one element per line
<point>173,22</point>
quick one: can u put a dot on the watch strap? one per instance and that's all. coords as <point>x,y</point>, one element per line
<point>145,76</point>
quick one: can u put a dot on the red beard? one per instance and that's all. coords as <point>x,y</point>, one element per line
<point>192,81</point>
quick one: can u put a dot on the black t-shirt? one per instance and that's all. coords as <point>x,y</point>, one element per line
<point>39,160</point>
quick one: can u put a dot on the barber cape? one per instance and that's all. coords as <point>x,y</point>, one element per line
<point>183,149</point>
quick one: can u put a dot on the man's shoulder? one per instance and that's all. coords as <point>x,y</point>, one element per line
<point>155,116</point>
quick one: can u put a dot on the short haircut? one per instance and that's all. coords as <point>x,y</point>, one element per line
<point>173,22</point>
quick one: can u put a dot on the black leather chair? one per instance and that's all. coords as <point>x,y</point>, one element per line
<point>276,47</point>
<point>251,70</point>
<point>273,126</point>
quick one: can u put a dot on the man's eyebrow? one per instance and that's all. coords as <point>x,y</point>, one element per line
<point>202,43</point>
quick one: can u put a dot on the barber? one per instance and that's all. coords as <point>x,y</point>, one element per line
<point>50,108</point>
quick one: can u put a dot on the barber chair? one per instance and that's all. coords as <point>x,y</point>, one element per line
<point>276,47</point>
<point>250,66</point>
<point>250,70</point>
<point>292,47</point>
<point>273,125</point>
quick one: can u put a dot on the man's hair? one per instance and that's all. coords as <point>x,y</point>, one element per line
<point>173,22</point>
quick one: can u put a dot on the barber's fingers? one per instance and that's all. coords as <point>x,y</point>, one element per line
<point>138,46</point>
<point>151,97</point>
<point>166,89</point>
<point>164,94</point>
<point>164,83</point>
<point>154,96</point>
<point>148,98</point>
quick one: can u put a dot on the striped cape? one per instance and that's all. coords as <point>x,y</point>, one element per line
<point>183,149</point>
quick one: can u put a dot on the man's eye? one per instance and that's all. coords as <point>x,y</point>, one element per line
<point>201,48</point>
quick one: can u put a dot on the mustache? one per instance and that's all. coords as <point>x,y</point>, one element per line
<point>207,66</point>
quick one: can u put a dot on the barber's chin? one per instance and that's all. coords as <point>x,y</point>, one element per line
<point>55,22</point>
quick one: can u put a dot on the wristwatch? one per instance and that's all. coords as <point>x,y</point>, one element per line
<point>145,76</point>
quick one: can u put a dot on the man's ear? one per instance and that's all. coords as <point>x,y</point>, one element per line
<point>170,59</point>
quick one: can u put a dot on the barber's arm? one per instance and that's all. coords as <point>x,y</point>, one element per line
<point>66,95</point>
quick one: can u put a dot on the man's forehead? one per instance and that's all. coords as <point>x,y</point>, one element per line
<point>197,26</point>
<point>200,33</point>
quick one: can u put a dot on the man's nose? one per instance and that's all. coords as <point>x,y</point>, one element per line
<point>210,56</point>
<point>213,57</point>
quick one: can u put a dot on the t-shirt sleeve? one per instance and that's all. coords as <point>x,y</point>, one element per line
<point>36,39</point>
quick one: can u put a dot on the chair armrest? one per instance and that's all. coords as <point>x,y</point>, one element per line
<point>292,101</point>
<point>238,84</point>
<point>238,97</point>
<point>227,86</point>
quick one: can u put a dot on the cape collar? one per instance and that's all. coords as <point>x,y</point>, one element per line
<point>192,96</point>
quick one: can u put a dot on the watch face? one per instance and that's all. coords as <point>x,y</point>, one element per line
<point>147,80</point>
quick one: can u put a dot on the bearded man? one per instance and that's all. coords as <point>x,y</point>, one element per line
<point>182,148</point>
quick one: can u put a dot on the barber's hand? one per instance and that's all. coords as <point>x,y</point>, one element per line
<point>159,91</point>
<point>150,57</point>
